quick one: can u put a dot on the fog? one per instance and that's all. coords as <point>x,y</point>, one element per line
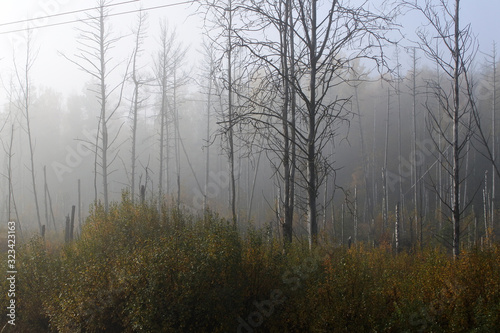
<point>64,117</point>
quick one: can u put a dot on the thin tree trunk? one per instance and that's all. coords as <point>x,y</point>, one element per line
<point>287,223</point>
<point>485,205</point>
<point>493,133</point>
<point>288,121</point>
<point>355,215</point>
<point>414,162</point>
<point>177,140</point>
<point>386,193</point>
<point>455,146</point>
<point>162,147</point>
<point>79,206</point>
<point>333,221</point>
<point>103,100</point>
<point>311,132</point>
<point>325,201</point>
<point>342,224</point>
<point>365,159</point>
<point>72,225</point>
<point>12,200</point>
<point>45,196</point>
<point>162,78</point>
<point>400,151</point>
<point>27,94</point>
<point>440,157</point>
<point>253,188</point>
<point>230,117</point>
<point>9,175</point>
<point>137,84</point>
<point>396,228</point>
<point>207,153</point>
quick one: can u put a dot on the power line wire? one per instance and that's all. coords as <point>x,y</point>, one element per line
<point>95,17</point>
<point>63,14</point>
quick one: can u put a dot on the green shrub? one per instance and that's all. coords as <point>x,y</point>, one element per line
<point>138,269</point>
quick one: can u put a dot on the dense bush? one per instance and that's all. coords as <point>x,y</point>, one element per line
<point>138,270</point>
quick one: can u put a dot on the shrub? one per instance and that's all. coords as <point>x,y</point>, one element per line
<point>136,269</point>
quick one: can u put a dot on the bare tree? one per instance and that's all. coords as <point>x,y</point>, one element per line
<point>94,58</point>
<point>385,206</point>
<point>493,61</point>
<point>454,59</point>
<point>317,52</point>
<point>11,205</point>
<point>23,103</point>
<point>137,100</point>
<point>220,20</point>
<point>272,102</point>
<point>169,56</point>
<point>323,38</point>
<point>230,109</point>
<point>161,70</point>
<point>414,143</point>
<point>480,134</point>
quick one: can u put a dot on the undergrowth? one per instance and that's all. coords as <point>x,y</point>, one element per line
<point>138,270</point>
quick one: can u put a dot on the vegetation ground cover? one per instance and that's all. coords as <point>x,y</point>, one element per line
<point>141,269</point>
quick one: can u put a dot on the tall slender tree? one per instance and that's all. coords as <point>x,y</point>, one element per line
<point>454,58</point>
<point>24,102</point>
<point>137,99</point>
<point>94,58</point>
<point>168,57</point>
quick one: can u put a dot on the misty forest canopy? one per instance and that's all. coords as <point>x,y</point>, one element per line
<point>311,118</point>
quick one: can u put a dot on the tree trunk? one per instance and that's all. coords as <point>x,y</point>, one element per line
<point>230,116</point>
<point>45,196</point>
<point>414,162</point>
<point>103,100</point>
<point>493,145</point>
<point>311,131</point>
<point>135,100</point>
<point>386,155</point>
<point>26,104</point>
<point>455,142</point>
<point>396,228</point>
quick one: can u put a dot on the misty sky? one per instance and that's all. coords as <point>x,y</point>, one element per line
<point>52,70</point>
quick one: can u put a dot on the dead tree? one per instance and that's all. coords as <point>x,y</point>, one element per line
<point>385,207</point>
<point>230,109</point>
<point>414,165</point>
<point>481,136</point>
<point>271,103</point>
<point>320,33</point>
<point>209,64</point>
<point>169,56</point>
<point>94,58</point>
<point>11,198</point>
<point>400,151</point>
<point>220,21</point>
<point>396,228</point>
<point>454,59</point>
<point>24,105</point>
<point>137,100</point>
<point>493,133</point>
